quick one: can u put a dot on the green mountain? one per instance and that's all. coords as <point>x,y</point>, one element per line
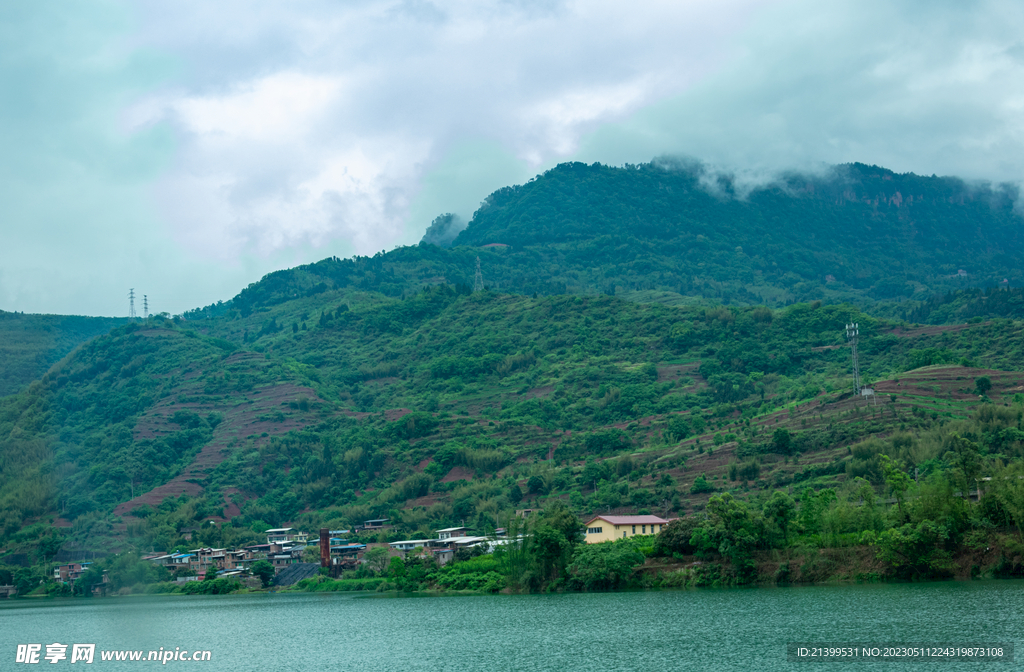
<point>31,344</point>
<point>352,389</point>
<point>673,233</point>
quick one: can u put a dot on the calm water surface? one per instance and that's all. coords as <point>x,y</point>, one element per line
<point>728,629</point>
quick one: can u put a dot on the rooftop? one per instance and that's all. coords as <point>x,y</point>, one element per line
<point>630,520</point>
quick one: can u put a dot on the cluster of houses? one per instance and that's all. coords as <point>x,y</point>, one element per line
<point>448,540</point>
<point>285,547</point>
<point>598,529</point>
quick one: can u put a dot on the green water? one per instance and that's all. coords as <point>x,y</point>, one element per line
<point>728,629</point>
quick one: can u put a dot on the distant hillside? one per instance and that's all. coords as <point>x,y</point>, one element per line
<point>30,344</point>
<point>672,233</point>
<point>450,406</point>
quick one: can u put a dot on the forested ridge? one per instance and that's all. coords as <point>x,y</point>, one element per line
<point>675,233</point>
<point>31,344</point>
<point>385,387</point>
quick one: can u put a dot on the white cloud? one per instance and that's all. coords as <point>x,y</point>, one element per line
<point>275,109</point>
<point>315,123</point>
<point>260,133</point>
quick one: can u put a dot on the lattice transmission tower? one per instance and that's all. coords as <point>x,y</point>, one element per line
<point>852,332</point>
<point>131,304</point>
<point>145,307</point>
<point>478,281</point>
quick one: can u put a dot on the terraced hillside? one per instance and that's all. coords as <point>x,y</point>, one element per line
<point>448,407</point>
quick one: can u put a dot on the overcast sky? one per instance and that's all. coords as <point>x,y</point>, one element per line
<point>185,149</point>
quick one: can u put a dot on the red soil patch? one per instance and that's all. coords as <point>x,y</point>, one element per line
<point>539,392</point>
<point>427,501</point>
<point>243,356</point>
<point>954,382</point>
<point>676,371</point>
<point>239,422</point>
<point>458,474</point>
<point>382,381</point>
<point>931,330</point>
<point>230,508</point>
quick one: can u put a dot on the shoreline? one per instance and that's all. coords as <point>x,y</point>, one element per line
<point>391,594</point>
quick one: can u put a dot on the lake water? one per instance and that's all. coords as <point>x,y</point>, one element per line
<point>726,629</point>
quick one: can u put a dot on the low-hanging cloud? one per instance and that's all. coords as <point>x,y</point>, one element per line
<point>922,87</point>
<point>163,137</point>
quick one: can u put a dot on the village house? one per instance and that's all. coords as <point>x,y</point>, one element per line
<point>283,535</point>
<point>70,572</point>
<point>235,560</point>
<point>282,559</point>
<point>347,555</point>
<point>171,561</point>
<point>204,560</point>
<point>610,528</point>
<point>451,539</point>
<point>450,532</point>
<point>260,551</point>
<point>409,545</point>
<point>375,525</point>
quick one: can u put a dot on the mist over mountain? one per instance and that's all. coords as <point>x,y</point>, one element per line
<point>443,230</point>
<point>675,232</point>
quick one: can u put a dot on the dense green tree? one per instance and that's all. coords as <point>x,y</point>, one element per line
<point>916,551</point>
<point>676,538</point>
<point>731,530</point>
<point>603,566</point>
<point>897,480</point>
<point>964,456</point>
<point>377,560</point>
<point>262,570</point>
<point>700,484</point>
<point>780,509</point>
